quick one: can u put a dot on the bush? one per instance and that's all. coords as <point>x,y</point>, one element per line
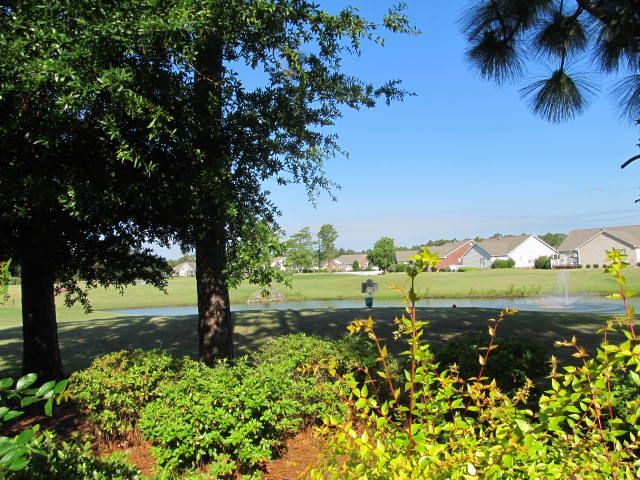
<point>588,265</point>
<point>355,266</point>
<point>508,263</point>
<point>595,265</point>
<point>542,263</point>
<point>70,460</point>
<point>401,267</point>
<point>512,363</point>
<point>116,386</point>
<point>235,416</point>
<point>468,269</point>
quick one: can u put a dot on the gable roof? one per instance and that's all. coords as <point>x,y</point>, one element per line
<point>405,255</point>
<point>498,247</point>
<point>629,234</point>
<point>349,259</point>
<point>180,265</point>
<point>444,250</point>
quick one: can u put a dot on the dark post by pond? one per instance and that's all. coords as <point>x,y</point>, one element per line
<point>369,288</point>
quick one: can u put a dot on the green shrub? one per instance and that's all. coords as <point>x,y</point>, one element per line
<point>595,265</point>
<point>588,265</point>
<point>401,267</point>
<point>355,266</point>
<point>468,269</point>
<point>508,263</point>
<point>116,386</point>
<point>586,426</point>
<point>512,363</point>
<point>542,263</point>
<point>233,417</point>
<point>71,461</point>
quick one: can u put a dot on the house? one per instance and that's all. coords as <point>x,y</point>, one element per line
<point>404,256</point>
<point>523,249</point>
<point>279,263</point>
<point>453,255</point>
<point>588,246</point>
<point>185,269</point>
<point>344,263</point>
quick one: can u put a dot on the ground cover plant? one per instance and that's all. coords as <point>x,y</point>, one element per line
<point>231,418</point>
<point>440,425</point>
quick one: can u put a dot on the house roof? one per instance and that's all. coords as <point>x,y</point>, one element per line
<point>405,255</point>
<point>629,234</point>
<point>444,250</point>
<point>349,259</point>
<point>498,247</point>
<point>180,265</point>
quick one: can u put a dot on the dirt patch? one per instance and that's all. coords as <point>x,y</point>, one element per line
<point>139,455</point>
<point>300,454</point>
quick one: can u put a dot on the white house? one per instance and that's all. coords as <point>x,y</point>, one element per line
<point>588,246</point>
<point>185,269</point>
<point>523,249</point>
<point>279,263</point>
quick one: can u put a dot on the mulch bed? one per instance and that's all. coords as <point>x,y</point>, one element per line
<point>299,454</point>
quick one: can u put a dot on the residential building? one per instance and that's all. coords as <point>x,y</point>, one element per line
<point>279,263</point>
<point>344,263</point>
<point>404,256</point>
<point>522,249</point>
<point>185,269</point>
<point>588,246</point>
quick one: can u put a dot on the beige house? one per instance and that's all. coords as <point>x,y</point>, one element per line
<point>279,263</point>
<point>344,263</point>
<point>522,249</point>
<point>404,256</point>
<point>588,246</point>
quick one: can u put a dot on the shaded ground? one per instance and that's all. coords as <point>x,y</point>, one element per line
<point>81,341</point>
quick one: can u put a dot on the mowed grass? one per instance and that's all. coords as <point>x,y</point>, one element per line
<point>81,340</point>
<point>478,284</point>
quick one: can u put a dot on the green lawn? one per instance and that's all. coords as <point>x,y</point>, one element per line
<point>490,283</point>
<point>85,336</point>
<point>82,340</point>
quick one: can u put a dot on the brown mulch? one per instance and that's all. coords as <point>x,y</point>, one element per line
<point>299,455</point>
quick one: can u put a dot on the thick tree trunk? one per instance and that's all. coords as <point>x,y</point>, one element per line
<point>215,325</point>
<point>41,351</point>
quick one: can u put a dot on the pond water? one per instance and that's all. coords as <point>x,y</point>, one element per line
<point>582,304</point>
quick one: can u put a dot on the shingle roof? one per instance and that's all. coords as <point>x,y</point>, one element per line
<point>629,234</point>
<point>444,250</point>
<point>498,247</point>
<point>349,259</point>
<point>405,255</point>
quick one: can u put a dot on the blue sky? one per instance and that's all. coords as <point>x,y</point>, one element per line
<point>464,157</point>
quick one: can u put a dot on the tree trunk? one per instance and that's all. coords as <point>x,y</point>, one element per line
<point>41,351</point>
<point>215,325</point>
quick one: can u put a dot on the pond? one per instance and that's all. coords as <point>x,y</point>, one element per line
<point>583,304</point>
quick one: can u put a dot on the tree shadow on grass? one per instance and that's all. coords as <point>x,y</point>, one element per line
<point>82,341</point>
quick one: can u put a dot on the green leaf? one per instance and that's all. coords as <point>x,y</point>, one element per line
<point>26,381</point>
<point>6,383</point>
<point>46,388</point>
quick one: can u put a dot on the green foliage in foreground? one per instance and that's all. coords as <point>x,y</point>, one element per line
<point>440,426</point>
<point>231,417</point>
<point>17,452</point>
<point>116,385</point>
<point>71,460</point>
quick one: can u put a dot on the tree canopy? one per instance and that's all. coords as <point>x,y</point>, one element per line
<point>300,251</point>
<point>508,38</point>
<point>383,253</point>
<point>327,237</point>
